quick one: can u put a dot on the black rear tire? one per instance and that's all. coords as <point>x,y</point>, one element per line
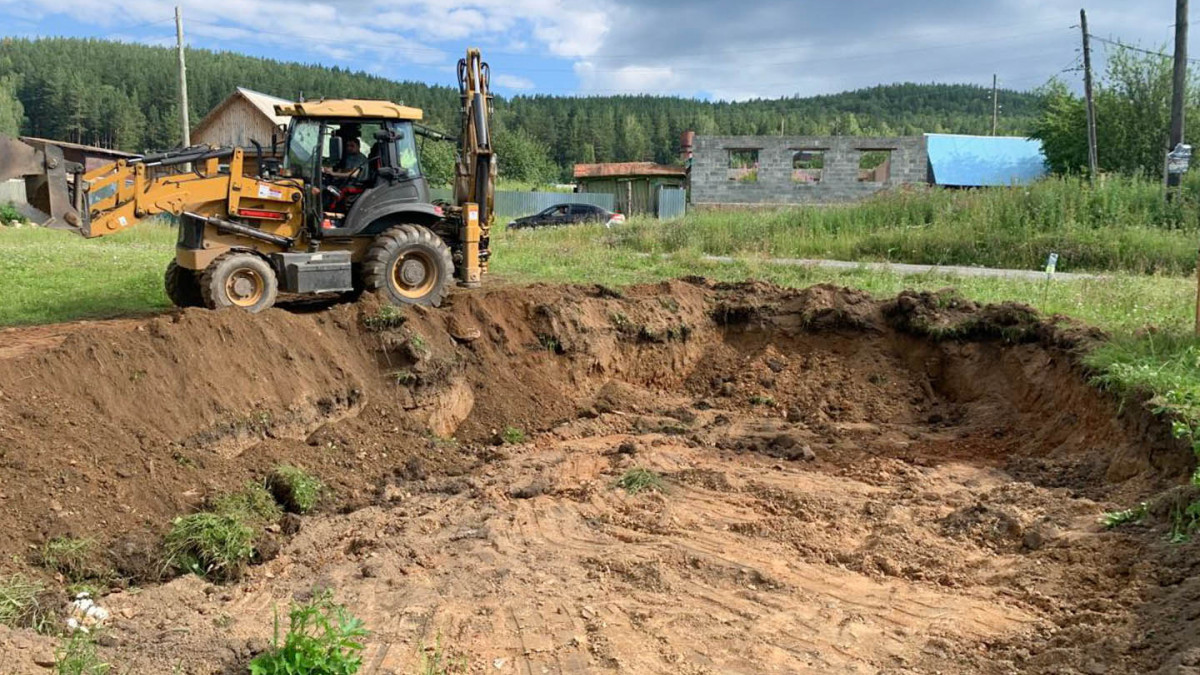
<point>239,279</point>
<point>410,264</point>
<point>183,286</point>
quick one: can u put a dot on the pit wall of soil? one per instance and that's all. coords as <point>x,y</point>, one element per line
<point>125,425</point>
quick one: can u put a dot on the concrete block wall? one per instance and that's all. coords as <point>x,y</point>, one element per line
<point>711,183</point>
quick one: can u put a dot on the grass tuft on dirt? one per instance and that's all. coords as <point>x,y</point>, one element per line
<point>211,545</point>
<point>323,638</point>
<point>72,557</point>
<point>22,604</point>
<point>437,660</point>
<point>78,656</point>
<point>295,489</point>
<point>639,479</point>
<point>512,435</point>
<point>254,505</point>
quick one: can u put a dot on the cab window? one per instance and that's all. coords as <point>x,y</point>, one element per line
<point>406,149</point>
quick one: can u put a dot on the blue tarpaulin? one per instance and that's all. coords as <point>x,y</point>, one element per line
<point>976,161</point>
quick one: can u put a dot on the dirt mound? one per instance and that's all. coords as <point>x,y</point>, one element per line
<point>852,485</point>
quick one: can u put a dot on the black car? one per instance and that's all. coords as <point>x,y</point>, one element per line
<point>568,214</point>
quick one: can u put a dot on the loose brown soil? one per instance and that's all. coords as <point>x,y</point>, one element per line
<point>909,486</point>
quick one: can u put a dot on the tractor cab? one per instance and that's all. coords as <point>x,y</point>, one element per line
<point>357,157</point>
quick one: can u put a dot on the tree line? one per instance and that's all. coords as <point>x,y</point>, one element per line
<point>125,96</point>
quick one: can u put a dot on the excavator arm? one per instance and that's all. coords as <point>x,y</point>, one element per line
<point>120,195</point>
<point>475,170</point>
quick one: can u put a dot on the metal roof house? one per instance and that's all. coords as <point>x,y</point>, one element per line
<point>638,188</point>
<point>244,116</point>
<point>984,161</point>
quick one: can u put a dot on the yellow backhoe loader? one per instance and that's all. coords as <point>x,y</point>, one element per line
<point>314,219</point>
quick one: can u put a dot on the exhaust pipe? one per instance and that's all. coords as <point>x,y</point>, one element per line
<point>47,186</point>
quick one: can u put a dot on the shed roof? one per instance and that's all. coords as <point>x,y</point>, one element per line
<point>977,161</point>
<point>264,103</point>
<point>627,169</point>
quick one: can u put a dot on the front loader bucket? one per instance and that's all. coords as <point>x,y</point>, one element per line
<point>47,184</point>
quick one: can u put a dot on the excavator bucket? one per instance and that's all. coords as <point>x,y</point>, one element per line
<point>47,181</point>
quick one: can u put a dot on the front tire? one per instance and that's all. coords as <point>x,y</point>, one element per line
<point>183,286</point>
<point>411,265</point>
<point>241,280</point>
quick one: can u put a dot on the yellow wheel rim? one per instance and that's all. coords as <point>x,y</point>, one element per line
<point>414,274</point>
<point>245,287</point>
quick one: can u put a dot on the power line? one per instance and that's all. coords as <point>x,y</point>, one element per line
<point>1122,45</point>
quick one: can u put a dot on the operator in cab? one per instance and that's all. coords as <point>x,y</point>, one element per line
<point>352,157</point>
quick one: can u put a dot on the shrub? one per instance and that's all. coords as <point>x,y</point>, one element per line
<point>322,639</point>
<point>294,488</point>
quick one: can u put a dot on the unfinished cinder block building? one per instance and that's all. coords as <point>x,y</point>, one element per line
<point>802,169</point>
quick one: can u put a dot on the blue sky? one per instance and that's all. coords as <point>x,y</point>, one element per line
<point>703,48</point>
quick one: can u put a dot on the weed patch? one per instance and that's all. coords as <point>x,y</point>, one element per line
<point>1113,519</point>
<point>512,435</point>
<point>72,557</point>
<point>322,639</point>
<point>387,318</point>
<point>211,545</point>
<point>640,479</point>
<point>295,489</point>
<point>436,660</point>
<point>22,605</point>
<point>78,656</point>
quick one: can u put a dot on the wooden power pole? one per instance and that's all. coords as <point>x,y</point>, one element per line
<point>1093,159</point>
<point>995,105</point>
<point>183,102</point>
<point>1179,84</point>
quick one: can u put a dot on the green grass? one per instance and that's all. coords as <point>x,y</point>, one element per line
<point>254,505</point>
<point>437,660</point>
<point>639,479</point>
<point>322,639</point>
<point>72,557</point>
<point>211,545</point>
<point>51,275</point>
<point>1113,519</point>
<point>21,603</point>
<point>295,489</point>
<point>512,435</point>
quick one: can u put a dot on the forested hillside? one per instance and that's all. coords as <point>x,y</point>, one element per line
<point>124,95</point>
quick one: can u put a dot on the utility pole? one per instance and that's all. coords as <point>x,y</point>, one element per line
<point>183,102</point>
<point>995,105</point>
<point>1179,84</point>
<point>1093,160</point>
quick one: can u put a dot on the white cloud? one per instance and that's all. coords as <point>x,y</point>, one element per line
<point>508,81</point>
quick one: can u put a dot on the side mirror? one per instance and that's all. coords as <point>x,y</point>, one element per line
<point>335,149</point>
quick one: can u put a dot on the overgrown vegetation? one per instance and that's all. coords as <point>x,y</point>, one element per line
<point>9,213</point>
<point>77,656</point>
<point>295,489</point>
<point>639,479</point>
<point>21,604</point>
<point>323,638</point>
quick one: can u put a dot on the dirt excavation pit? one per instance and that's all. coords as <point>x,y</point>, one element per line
<point>680,478</point>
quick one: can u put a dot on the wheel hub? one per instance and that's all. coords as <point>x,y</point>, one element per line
<point>244,287</point>
<point>412,273</point>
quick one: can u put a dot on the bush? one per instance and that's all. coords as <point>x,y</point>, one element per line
<point>295,489</point>
<point>322,639</point>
